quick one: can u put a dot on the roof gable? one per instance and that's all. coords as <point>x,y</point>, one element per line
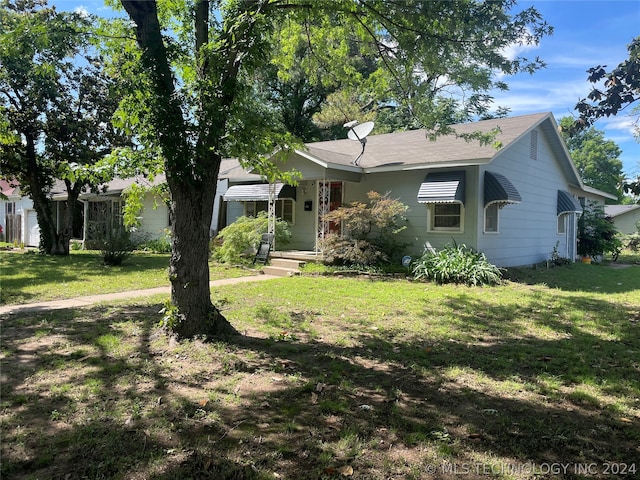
<point>409,150</point>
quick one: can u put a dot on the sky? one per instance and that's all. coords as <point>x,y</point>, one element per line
<point>587,33</point>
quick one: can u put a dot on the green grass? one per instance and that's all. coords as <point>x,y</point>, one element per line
<point>30,277</point>
<point>387,378</point>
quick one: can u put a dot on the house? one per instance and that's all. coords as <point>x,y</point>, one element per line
<point>93,211</point>
<point>105,205</point>
<point>626,218</point>
<point>515,200</point>
<point>17,216</point>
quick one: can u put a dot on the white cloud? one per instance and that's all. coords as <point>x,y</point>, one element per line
<point>82,11</point>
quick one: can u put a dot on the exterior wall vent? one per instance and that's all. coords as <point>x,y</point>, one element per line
<point>533,152</point>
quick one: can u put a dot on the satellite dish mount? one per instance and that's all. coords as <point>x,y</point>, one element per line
<point>359,131</point>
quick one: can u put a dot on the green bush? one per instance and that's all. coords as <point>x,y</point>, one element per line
<point>456,264</point>
<point>369,232</point>
<point>160,244</point>
<point>597,234</point>
<point>115,245</point>
<point>632,241</point>
<point>242,237</point>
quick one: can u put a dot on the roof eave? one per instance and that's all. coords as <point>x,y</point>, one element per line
<point>601,193</point>
<point>429,166</point>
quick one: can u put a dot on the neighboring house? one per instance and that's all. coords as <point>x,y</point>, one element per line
<point>105,206</point>
<point>91,215</point>
<point>17,216</point>
<point>515,203</point>
<point>626,218</point>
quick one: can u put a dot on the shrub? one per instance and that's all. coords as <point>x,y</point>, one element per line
<point>369,232</point>
<point>115,245</point>
<point>597,233</point>
<point>633,242</point>
<point>243,236</point>
<point>160,244</point>
<point>457,264</point>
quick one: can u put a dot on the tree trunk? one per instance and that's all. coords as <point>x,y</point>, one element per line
<point>191,175</point>
<point>49,241</point>
<point>189,266</point>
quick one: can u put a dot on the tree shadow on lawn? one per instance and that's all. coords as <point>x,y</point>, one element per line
<point>100,393</point>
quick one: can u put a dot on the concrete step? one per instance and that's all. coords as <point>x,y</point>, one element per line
<point>286,263</point>
<point>280,271</point>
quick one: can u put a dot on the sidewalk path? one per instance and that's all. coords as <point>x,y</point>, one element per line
<point>93,299</point>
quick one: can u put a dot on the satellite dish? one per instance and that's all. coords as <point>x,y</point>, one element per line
<point>359,132</point>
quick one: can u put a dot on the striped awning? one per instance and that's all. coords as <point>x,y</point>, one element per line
<point>567,203</point>
<point>258,192</point>
<point>498,189</point>
<point>443,187</point>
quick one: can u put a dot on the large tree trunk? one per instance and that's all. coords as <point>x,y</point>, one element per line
<point>189,266</point>
<point>191,175</point>
<point>49,239</point>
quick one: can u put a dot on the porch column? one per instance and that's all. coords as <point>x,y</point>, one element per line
<point>85,223</point>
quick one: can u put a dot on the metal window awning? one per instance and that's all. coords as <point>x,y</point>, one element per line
<point>443,187</point>
<point>498,189</point>
<point>258,192</point>
<point>567,203</point>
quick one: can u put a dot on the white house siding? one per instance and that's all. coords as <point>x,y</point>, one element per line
<point>32,233</point>
<point>627,222</point>
<point>23,206</point>
<point>527,231</point>
<point>155,217</point>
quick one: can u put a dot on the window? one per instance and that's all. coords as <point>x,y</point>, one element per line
<point>10,208</point>
<point>446,217</point>
<point>562,224</point>
<point>284,209</point>
<point>491,218</point>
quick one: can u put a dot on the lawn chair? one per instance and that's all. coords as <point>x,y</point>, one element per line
<point>264,249</point>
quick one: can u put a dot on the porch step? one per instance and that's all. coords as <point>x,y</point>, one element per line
<point>286,263</point>
<point>283,267</point>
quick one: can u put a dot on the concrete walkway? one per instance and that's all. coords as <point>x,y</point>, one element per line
<point>93,299</point>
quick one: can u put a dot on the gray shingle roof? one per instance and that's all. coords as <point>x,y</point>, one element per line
<point>414,148</point>
<point>615,210</point>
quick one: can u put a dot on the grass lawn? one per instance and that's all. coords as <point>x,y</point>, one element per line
<point>337,378</point>
<point>29,277</point>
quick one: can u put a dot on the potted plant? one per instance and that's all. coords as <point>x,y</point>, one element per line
<point>597,234</point>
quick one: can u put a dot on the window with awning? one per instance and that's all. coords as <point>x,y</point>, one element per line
<point>255,199</point>
<point>567,203</point>
<point>498,192</point>
<point>258,192</point>
<point>444,194</point>
<point>498,189</point>
<point>443,187</point>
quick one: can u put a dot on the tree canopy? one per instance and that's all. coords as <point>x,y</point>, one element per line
<point>613,91</point>
<point>596,158</point>
<point>55,110</point>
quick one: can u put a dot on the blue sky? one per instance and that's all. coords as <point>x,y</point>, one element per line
<point>587,33</point>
